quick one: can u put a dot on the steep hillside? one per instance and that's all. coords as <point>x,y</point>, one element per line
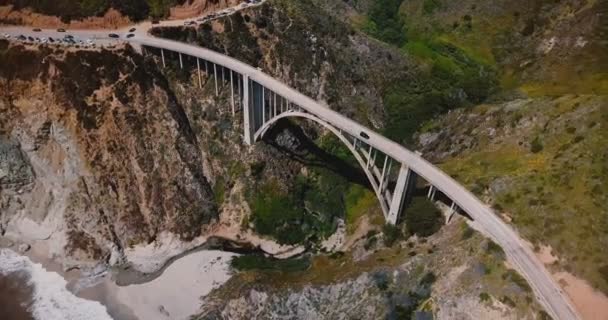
<point>542,163</point>
<point>100,153</point>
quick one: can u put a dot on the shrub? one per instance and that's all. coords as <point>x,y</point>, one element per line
<point>484,297</point>
<point>494,248</point>
<point>467,232</point>
<point>536,146</point>
<point>262,263</point>
<point>422,217</point>
<point>391,234</point>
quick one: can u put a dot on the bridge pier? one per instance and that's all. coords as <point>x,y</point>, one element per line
<point>450,213</point>
<point>198,68</point>
<point>215,78</point>
<point>399,194</point>
<point>162,55</point>
<point>181,63</point>
<point>247,112</point>
<point>431,194</point>
<point>232,92</point>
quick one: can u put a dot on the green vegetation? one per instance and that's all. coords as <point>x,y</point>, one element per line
<point>309,209</point>
<point>385,23</point>
<point>422,217</point>
<point>78,9</point>
<point>467,232</point>
<point>514,276</point>
<point>391,233</point>
<point>484,297</point>
<point>451,79</point>
<point>536,146</point>
<point>543,191</point>
<point>262,263</point>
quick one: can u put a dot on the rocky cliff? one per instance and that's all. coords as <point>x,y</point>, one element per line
<point>99,153</point>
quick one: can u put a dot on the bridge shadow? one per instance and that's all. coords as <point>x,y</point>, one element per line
<point>308,153</point>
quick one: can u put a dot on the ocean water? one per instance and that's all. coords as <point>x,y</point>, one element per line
<point>28,291</point>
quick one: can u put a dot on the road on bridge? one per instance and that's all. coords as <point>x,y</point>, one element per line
<point>519,254</point>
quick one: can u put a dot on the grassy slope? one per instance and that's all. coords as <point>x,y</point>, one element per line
<point>539,49</point>
<point>555,196</point>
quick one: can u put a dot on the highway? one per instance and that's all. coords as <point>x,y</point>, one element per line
<point>547,290</point>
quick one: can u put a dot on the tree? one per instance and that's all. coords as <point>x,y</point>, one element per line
<point>422,217</point>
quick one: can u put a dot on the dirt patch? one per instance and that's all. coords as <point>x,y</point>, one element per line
<point>199,7</point>
<point>592,304</point>
<point>545,255</point>
<point>112,19</point>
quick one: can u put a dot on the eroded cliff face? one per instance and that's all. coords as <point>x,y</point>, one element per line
<point>97,153</point>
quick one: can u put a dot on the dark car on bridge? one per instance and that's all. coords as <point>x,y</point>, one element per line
<point>364,135</point>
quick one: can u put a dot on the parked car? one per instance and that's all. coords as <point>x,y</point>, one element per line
<point>60,30</point>
<point>130,35</point>
<point>113,35</point>
<point>155,21</point>
<point>37,30</point>
<point>132,30</point>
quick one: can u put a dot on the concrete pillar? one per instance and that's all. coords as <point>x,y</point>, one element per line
<point>263,105</point>
<point>232,92</point>
<point>162,55</point>
<point>369,156</point>
<point>198,67</point>
<point>247,114</point>
<point>387,175</point>
<point>398,194</point>
<point>431,193</point>
<point>238,88</point>
<point>215,77</point>
<point>274,105</point>
<point>450,213</point>
<point>181,63</point>
<point>381,183</point>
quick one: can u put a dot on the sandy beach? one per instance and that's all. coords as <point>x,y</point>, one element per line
<point>175,294</point>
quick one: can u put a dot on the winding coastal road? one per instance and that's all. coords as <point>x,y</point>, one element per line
<point>519,254</point>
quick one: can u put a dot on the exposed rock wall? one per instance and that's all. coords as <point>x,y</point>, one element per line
<point>97,153</point>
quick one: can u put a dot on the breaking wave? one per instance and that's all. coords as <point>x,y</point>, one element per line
<point>51,300</point>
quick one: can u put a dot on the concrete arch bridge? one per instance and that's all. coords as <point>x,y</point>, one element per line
<point>262,100</point>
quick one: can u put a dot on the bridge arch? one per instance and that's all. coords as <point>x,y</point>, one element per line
<point>338,133</point>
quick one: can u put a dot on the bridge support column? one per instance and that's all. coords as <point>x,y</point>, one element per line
<point>450,213</point>
<point>181,63</point>
<point>198,67</point>
<point>431,194</point>
<point>215,77</point>
<point>162,55</point>
<point>399,194</point>
<point>232,91</point>
<point>247,112</point>
<point>263,106</point>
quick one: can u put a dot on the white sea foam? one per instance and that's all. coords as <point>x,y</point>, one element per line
<point>51,298</point>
